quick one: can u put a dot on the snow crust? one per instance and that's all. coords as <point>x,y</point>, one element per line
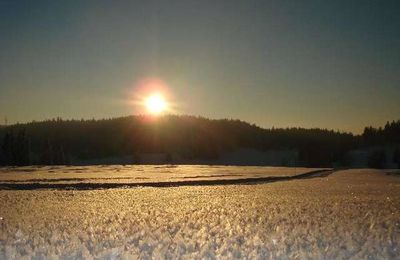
<point>140,173</point>
<point>349,214</point>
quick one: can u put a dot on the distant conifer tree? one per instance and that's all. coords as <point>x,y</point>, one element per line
<point>377,159</point>
<point>396,157</point>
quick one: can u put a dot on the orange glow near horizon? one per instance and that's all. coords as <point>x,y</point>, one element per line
<point>152,96</point>
<point>156,104</point>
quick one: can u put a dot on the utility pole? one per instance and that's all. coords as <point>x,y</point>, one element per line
<point>5,121</point>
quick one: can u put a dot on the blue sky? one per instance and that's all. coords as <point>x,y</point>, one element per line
<point>330,64</point>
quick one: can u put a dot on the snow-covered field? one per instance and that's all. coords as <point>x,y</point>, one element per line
<point>352,213</point>
<point>139,174</point>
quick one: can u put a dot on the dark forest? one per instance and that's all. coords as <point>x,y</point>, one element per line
<point>62,142</point>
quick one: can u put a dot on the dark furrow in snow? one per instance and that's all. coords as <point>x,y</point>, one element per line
<point>91,186</point>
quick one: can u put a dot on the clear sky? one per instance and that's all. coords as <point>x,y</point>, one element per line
<point>330,64</point>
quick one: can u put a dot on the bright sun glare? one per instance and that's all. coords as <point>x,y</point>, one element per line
<point>156,104</point>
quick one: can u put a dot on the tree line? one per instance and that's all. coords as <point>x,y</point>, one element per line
<point>59,141</point>
<point>387,136</point>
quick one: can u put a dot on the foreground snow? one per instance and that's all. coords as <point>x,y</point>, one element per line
<point>351,213</point>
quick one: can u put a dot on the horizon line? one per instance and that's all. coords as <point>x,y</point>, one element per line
<point>185,115</point>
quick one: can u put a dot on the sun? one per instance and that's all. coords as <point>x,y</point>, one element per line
<point>156,104</point>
